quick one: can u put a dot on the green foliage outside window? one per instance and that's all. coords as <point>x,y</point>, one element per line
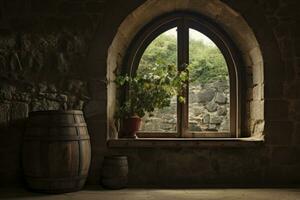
<point>207,63</point>
<point>157,79</point>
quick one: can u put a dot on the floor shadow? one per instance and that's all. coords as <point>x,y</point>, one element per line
<point>15,193</point>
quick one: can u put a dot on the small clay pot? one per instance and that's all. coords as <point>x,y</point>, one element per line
<point>130,126</point>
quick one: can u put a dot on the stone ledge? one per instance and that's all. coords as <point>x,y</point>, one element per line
<point>186,142</point>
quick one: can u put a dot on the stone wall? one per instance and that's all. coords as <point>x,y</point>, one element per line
<point>43,71</point>
<point>250,81</point>
<point>53,55</point>
<point>43,51</point>
<point>267,111</point>
<point>209,107</point>
<point>208,110</point>
<point>283,108</point>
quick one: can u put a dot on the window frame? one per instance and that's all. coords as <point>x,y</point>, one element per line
<point>184,21</point>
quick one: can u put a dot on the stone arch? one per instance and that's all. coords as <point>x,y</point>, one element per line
<point>227,18</point>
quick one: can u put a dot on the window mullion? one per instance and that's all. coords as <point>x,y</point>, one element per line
<point>183,60</point>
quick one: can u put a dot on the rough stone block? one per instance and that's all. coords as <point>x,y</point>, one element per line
<point>171,169</point>
<point>94,7</point>
<point>23,97</point>
<point>132,21</point>
<point>258,128</point>
<point>296,137</point>
<point>257,110</point>
<point>181,4</point>
<point>290,69</point>
<point>249,94</point>
<point>95,108</point>
<point>45,7</point>
<point>62,98</point>
<point>216,120</point>
<point>4,114</point>
<point>97,70</point>
<point>274,66</point>
<point>44,104</point>
<point>276,110</point>
<point>71,8</point>
<point>255,55</point>
<point>206,118</point>
<point>295,110</point>
<point>247,60</point>
<point>258,73</point>
<point>221,98</point>
<point>7,91</point>
<point>297,48</point>
<point>97,89</point>
<point>221,86</point>
<point>206,95</point>
<point>211,106</point>
<point>19,110</point>
<point>285,155</point>
<point>273,89</point>
<point>258,92</point>
<point>279,132</point>
<point>42,87</point>
<point>224,126</point>
<point>276,173</point>
<point>222,111</point>
<point>244,164</point>
<point>292,90</point>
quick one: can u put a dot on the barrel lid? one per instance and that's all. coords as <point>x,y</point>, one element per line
<point>55,112</point>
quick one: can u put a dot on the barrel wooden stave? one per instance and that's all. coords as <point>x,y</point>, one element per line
<point>56,151</point>
<point>114,172</point>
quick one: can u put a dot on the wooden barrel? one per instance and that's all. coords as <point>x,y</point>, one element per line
<point>114,173</point>
<point>56,151</point>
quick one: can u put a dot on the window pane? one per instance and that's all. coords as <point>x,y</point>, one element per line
<point>161,53</point>
<point>208,86</point>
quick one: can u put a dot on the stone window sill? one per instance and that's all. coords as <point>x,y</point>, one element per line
<point>185,142</point>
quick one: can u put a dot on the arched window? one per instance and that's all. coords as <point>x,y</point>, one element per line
<point>212,107</point>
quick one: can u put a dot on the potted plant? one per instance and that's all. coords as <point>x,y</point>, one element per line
<point>148,90</point>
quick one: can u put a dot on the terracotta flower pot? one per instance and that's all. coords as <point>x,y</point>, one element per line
<point>130,126</point>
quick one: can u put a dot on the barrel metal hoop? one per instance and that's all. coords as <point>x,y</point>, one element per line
<point>55,125</point>
<point>56,179</point>
<point>57,138</point>
<point>56,112</point>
